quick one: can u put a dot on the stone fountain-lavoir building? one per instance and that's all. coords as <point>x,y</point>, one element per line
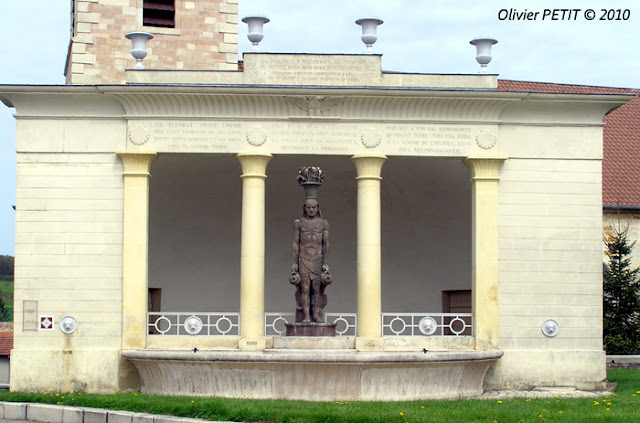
<point>466,222</point>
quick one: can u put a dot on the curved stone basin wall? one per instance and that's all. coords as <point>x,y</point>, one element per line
<point>312,375</point>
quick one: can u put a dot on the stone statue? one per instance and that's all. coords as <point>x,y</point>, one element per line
<point>310,270</point>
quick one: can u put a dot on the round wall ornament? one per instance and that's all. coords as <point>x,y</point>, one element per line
<point>371,139</point>
<point>193,325</point>
<point>428,325</point>
<point>139,134</point>
<point>486,140</point>
<point>256,136</point>
<point>550,328</point>
<point>68,324</point>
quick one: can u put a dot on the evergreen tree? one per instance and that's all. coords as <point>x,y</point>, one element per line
<point>621,290</point>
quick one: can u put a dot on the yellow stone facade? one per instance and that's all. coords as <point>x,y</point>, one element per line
<point>85,225</point>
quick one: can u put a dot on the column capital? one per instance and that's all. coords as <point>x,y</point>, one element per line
<point>484,168</point>
<point>137,163</point>
<point>368,166</point>
<point>254,164</point>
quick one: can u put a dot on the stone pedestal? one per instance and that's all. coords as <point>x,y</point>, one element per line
<point>311,329</point>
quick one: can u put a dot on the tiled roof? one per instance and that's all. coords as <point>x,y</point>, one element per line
<point>6,343</point>
<point>621,158</point>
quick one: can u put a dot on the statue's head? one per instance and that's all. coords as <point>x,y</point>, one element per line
<point>311,209</point>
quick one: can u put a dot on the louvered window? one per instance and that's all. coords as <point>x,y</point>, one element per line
<point>160,13</point>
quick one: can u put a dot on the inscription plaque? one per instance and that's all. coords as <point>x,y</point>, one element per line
<point>296,137</point>
<point>315,69</point>
<point>30,315</point>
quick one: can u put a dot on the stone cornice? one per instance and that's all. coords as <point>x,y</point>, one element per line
<point>338,107</point>
<point>269,102</point>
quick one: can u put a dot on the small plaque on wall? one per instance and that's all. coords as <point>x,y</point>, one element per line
<point>29,315</point>
<point>46,323</point>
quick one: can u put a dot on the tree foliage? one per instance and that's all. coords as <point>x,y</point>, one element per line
<point>6,265</point>
<point>621,289</point>
<point>5,312</point>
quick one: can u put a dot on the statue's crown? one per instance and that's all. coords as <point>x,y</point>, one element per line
<point>311,178</point>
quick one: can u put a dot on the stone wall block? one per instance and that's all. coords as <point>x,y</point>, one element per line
<point>77,68</point>
<point>228,8</point>
<point>231,18</point>
<point>88,17</point>
<point>83,6</point>
<point>78,48</point>
<point>84,38</point>
<point>89,59</point>
<point>227,28</point>
<point>228,48</point>
<point>226,66</point>
<point>83,27</point>
<point>231,38</point>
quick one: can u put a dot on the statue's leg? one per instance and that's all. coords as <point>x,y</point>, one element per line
<point>305,285</point>
<point>316,298</point>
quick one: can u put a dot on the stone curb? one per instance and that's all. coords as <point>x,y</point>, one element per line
<point>47,413</point>
<point>623,362</point>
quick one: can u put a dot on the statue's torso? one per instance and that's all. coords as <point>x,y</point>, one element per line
<point>310,253</point>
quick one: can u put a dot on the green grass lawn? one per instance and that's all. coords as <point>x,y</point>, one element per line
<point>624,406</point>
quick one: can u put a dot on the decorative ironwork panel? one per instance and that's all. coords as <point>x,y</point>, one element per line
<point>196,324</point>
<point>274,323</point>
<point>427,324</point>
<point>346,323</point>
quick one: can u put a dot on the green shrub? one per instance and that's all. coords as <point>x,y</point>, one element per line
<point>620,345</point>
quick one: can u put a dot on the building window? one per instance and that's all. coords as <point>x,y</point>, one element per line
<point>161,13</point>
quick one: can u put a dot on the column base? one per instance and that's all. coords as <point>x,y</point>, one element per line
<point>369,344</point>
<point>252,343</point>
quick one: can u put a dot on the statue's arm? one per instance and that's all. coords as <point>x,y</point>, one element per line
<point>325,246</point>
<point>296,244</point>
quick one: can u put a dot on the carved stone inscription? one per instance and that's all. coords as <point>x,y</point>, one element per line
<point>315,137</point>
<point>430,140</point>
<point>320,70</point>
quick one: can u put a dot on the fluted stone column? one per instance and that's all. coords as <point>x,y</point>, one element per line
<point>135,248</point>
<point>484,255</point>
<point>369,267</point>
<point>252,248</point>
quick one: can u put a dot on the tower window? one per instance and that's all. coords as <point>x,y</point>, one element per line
<point>160,13</point>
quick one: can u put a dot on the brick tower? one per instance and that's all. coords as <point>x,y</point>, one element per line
<point>195,35</point>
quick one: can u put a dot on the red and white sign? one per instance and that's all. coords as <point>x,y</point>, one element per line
<point>46,322</point>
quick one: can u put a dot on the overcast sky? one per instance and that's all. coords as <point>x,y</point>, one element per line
<point>417,36</point>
